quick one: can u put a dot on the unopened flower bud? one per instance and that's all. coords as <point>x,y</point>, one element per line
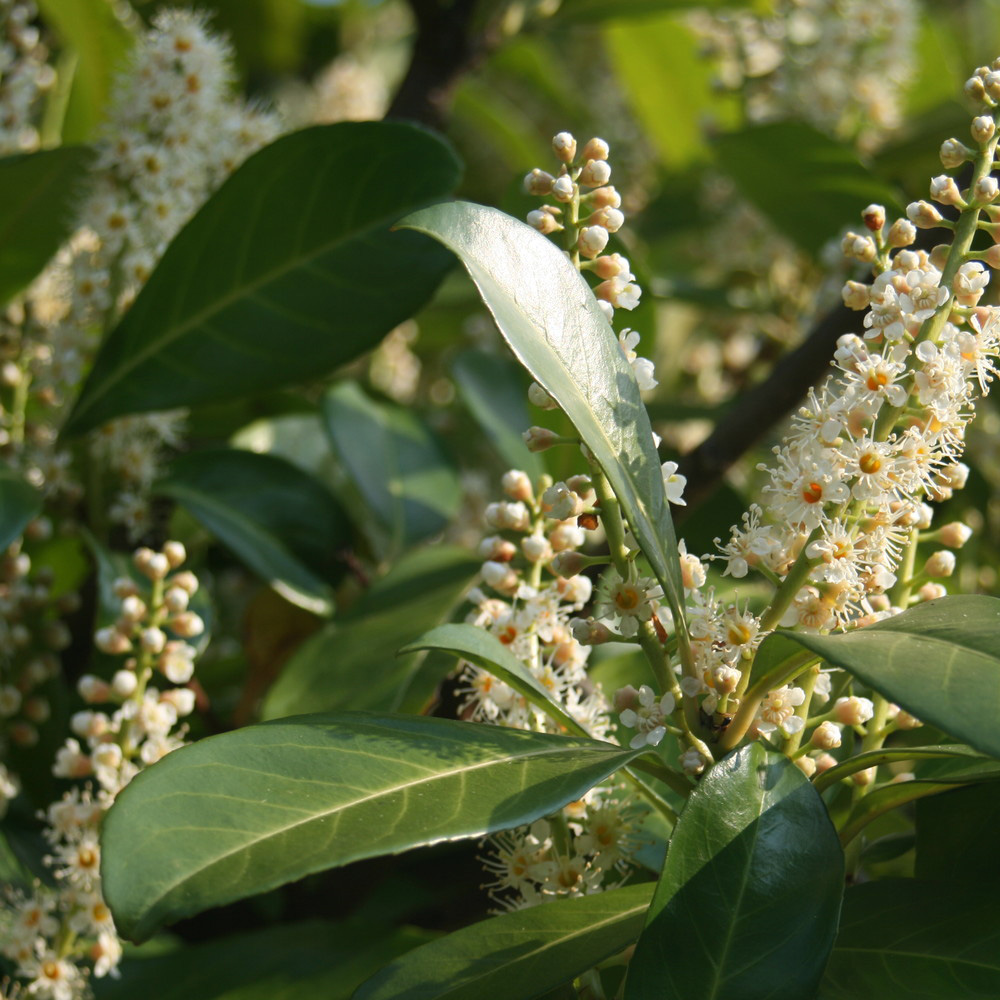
<point>564,146</point>
<point>983,128</point>
<point>536,548</point>
<point>10,701</point>
<point>853,711</point>
<point>824,762</point>
<point>499,576</point>
<point>856,295</point>
<point>932,592</point>
<point>942,563</point>
<point>92,689</point>
<point>596,149</point>
<point>954,534</point>
<point>806,765</point>
<point>595,173</point>
<point>568,563</point>
<point>861,248</point>
<point>826,736</point>
<point>992,84</point>
<point>133,608</point>
<point>539,438</point>
<point>864,777</point>
<point>605,197</point>
<point>592,241</point>
<point>110,640</point>
<point>692,762</point>
<point>625,698</point>
<point>537,396</point>
<point>124,683</point>
<point>975,90</point>
<point>612,266</point>
<point>176,599</point>
<point>874,217</point>
<point>906,721</point>
<point>496,548</point>
<point>560,503</point>
<point>954,153</point>
<point>590,633</point>
<point>538,182</point>
<point>945,191</point>
<point>176,662</point>
<point>902,233</point>
<point>186,581</point>
<point>611,219</point>
<point>153,640</point>
<point>563,188</point>
<point>175,553</point>
<point>508,516</point>
<point>124,587</point>
<point>566,536</point>
<point>544,222</point>
<point>987,189</point>
<point>727,679</point>
<point>182,699</point>
<point>517,485</point>
<point>923,214</point>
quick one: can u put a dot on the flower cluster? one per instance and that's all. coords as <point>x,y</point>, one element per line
<point>533,588</point>
<point>55,934</point>
<point>24,75</point>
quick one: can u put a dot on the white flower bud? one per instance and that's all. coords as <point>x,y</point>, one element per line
<point>987,189</point>
<point>133,608</point>
<point>613,266</point>
<point>865,777</point>
<point>124,682</point>
<point>176,662</point>
<point>923,214</point>
<point>874,217</point>
<point>806,765</point>
<point>595,173</point>
<point>612,219</point>
<point>182,699</point>
<point>499,576</point>
<point>983,128</point>
<point>932,592</point>
<point>824,762</point>
<point>590,633</point>
<point>92,689</point>
<point>727,679</point>
<point>563,189</point>
<point>176,554</point>
<point>10,701</point>
<point>566,536</point>
<point>975,89</point>
<point>124,587</point>
<point>539,438</point>
<point>605,197</point>
<point>902,233</point>
<point>517,485</point>
<point>826,736</point>
<point>906,721</point>
<point>945,191</point>
<point>508,516</point>
<point>564,146</point>
<point>110,640</point>
<point>860,248</point>
<point>954,153</point>
<point>538,182</point>
<point>496,548</point>
<point>544,222</point>
<point>537,396</point>
<point>153,640</point>
<point>592,240</point>
<point>576,590</point>
<point>536,548</point>
<point>856,295</point>
<point>176,599</point>
<point>568,563</point>
<point>692,761</point>
<point>853,711</point>
<point>942,563</point>
<point>560,503</point>
<point>955,534</point>
<point>596,149</point>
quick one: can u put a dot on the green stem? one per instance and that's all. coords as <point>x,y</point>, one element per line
<point>802,712</point>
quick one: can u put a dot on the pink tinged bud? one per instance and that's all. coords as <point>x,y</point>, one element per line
<point>940,564</point>
<point>826,736</point>
<point>496,548</point>
<point>987,189</point>
<point>110,640</point>
<point>902,233</point>
<point>906,721</point>
<point>543,221</point>
<point>923,214</point>
<point>37,710</point>
<point>932,592</point>
<point>612,266</point>
<point>124,683</point>
<point>23,734</point>
<point>945,191</point>
<point>824,762</point>
<point>992,256</point>
<point>853,711</point>
<point>538,182</point>
<point>564,146</point>
<point>517,485</point>
<point>856,295</point>
<point>499,576</point>
<point>874,217</point>
<point>568,564</point>
<point>563,189</point>
<point>537,396</point>
<point>983,128</point>
<point>592,241</point>
<point>612,219</point>
<point>864,778</point>
<point>626,698</point>
<point>92,689</point>
<point>539,438</point>
<point>590,633</point>
<point>595,173</point>
<point>186,581</point>
<point>175,553</point>
<point>605,197</point>
<point>955,534</point>
<point>806,765</point>
<point>954,153</point>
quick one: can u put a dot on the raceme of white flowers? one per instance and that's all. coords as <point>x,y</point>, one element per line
<point>57,935</point>
<point>24,76</point>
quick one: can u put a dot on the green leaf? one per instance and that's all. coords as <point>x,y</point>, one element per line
<point>808,185</point>
<point>38,193</point>
<point>408,485</point>
<point>600,10</point>
<point>492,391</point>
<point>549,316</point>
<point>485,650</point>
<point>279,520</point>
<point>351,662</point>
<point>19,504</point>
<point>956,836</point>
<point>100,43</point>
<point>939,660</point>
<point>240,813</point>
<point>748,900</point>
<point>917,940</point>
<point>519,954</point>
<point>288,271</point>
<point>299,961</point>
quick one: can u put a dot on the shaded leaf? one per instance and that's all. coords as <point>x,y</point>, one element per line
<point>785,164</point>
<point>915,939</point>
<point>288,271</point>
<point>279,520</point>
<point>408,485</point>
<point>518,954</point>
<point>751,886</point>
<point>240,813</point>
<point>19,504</point>
<point>550,317</point>
<point>939,660</point>
<point>38,193</point>
<point>351,662</point>
<point>956,836</point>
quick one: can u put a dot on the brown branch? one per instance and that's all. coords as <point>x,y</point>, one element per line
<point>761,407</point>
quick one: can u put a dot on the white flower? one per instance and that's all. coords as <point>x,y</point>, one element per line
<point>673,484</point>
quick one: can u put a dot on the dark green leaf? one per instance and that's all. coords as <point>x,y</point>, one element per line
<point>38,192</point>
<point>748,900</point>
<point>957,836</point>
<point>939,660</point>
<point>549,316</point>
<point>279,520</point>
<point>519,954</point>
<point>288,271</point>
<point>492,391</point>
<point>915,940</point>
<point>300,961</point>
<point>240,813</point>
<point>19,504</point>
<point>407,484</point>
<point>351,662</point>
<point>99,42</point>
<point>808,185</point>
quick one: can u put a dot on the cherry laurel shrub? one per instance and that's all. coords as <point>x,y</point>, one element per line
<point>684,775</point>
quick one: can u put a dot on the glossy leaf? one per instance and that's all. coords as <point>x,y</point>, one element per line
<point>100,43</point>
<point>518,954</point>
<point>956,836</point>
<point>492,391</point>
<point>406,481</point>
<point>549,316</point>
<point>939,660</point>
<point>915,939</point>
<point>38,193</point>
<point>19,504</point>
<point>782,164</point>
<point>485,650</point>
<point>351,662</point>
<point>237,814</point>
<point>288,271</point>
<point>751,886</point>
<point>298,961</point>
<point>279,520</point>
